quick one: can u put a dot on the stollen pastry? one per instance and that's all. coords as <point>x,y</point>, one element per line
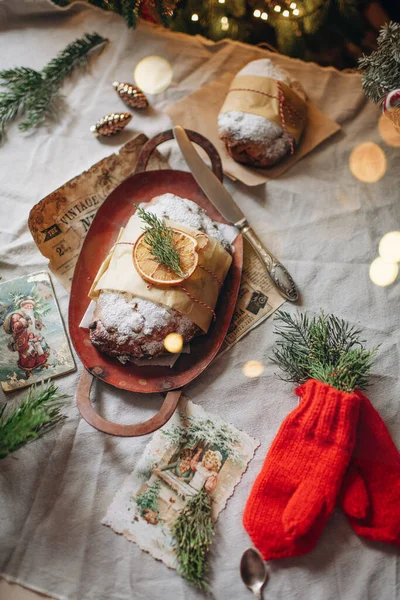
<point>263,116</point>
<point>132,318</point>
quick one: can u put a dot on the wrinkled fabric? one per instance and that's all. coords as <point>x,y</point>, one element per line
<point>317,218</point>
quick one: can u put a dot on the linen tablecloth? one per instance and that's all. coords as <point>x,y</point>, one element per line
<point>324,224</point>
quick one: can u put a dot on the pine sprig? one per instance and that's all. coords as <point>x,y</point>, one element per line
<point>193,531</point>
<point>381,69</point>
<point>159,237</point>
<point>39,412</point>
<point>34,93</point>
<point>322,347</point>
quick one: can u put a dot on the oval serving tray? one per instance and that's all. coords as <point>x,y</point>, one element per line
<point>112,215</point>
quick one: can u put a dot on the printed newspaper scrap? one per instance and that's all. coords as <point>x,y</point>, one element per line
<point>60,222</point>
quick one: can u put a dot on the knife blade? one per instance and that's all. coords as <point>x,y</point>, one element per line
<point>223,201</point>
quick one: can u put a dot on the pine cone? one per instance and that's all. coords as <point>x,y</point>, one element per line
<point>131,95</point>
<point>111,124</point>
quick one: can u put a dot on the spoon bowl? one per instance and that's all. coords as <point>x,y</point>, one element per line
<point>253,571</point>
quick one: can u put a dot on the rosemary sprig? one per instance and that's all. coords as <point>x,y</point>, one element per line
<point>39,412</point>
<point>33,93</point>
<point>160,239</point>
<point>322,347</point>
<point>193,531</point>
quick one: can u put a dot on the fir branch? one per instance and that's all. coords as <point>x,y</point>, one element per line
<point>33,93</point>
<point>39,412</point>
<point>160,239</point>
<point>193,531</point>
<point>381,69</point>
<point>322,347</point>
<point>130,12</point>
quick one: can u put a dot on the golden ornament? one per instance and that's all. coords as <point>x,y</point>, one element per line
<point>111,124</point>
<point>131,95</point>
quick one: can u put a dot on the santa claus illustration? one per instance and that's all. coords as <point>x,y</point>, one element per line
<point>26,338</point>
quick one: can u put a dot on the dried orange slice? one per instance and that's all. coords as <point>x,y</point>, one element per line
<point>158,274</point>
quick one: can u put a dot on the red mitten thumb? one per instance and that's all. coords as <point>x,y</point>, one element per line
<point>354,495</point>
<point>303,509</point>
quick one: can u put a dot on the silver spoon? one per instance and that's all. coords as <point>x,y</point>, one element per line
<point>253,571</point>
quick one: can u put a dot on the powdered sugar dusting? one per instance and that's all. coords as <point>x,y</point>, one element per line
<point>181,210</point>
<point>264,67</point>
<point>245,127</point>
<point>134,320</point>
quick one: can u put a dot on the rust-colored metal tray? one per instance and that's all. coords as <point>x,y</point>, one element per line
<point>111,216</point>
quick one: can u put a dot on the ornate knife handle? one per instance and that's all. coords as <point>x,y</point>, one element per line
<point>277,272</point>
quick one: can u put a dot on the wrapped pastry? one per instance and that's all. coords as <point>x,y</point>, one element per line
<point>263,116</point>
<point>139,302</point>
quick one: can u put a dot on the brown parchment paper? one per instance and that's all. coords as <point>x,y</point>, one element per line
<point>262,96</point>
<point>59,223</point>
<point>118,273</point>
<point>199,111</point>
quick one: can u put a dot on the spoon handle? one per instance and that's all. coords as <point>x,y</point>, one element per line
<point>258,595</point>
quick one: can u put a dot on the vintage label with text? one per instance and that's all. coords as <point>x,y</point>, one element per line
<point>60,222</point>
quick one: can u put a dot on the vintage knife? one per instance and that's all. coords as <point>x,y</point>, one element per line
<point>223,201</point>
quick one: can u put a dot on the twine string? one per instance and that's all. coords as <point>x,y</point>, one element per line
<point>283,105</point>
<point>220,282</point>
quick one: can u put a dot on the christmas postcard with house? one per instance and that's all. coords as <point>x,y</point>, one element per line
<point>194,453</point>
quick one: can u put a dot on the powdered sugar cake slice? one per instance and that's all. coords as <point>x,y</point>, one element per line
<point>126,325</point>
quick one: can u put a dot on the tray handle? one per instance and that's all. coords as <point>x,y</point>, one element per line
<point>98,422</point>
<point>194,137</point>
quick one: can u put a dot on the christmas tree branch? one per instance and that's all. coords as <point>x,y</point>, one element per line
<point>33,93</point>
<point>193,531</point>
<point>39,412</point>
<point>381,69</point>
<point>159,238</point>
<point>322,347</point>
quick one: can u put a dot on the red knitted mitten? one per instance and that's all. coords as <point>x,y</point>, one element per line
<point>295,492</point>
<point>371,490</point>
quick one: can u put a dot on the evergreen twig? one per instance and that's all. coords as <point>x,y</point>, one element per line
<point>193,531</point>
<point>33,93</point>
<point>159,238</point>
<point>381,69</point>
<point>39,412</point>
<point>322,347</point>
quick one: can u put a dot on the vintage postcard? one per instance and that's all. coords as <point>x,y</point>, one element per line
<point>33,342</point>
<point>194,451</point>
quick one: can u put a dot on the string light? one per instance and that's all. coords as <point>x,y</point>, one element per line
<point>285,13</point>
<point>389,246</point>
<point>173,343</point>
<point>195,17</point>
<point>257,13</point>
<point>383,273</point>
<point>296,12</point>
<point>293,5</point>
<point>264,16</point>
<point>253,368</point>
<point>277,8</point>
<point>224,23</point>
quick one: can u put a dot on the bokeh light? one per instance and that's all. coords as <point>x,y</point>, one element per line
<point>153,74</point>
<point>389,246</point>
<point>388,131</point>
<point>253,368</point>
<point>368,162</point>
<point>173,343</point>
<point>382,272</point>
